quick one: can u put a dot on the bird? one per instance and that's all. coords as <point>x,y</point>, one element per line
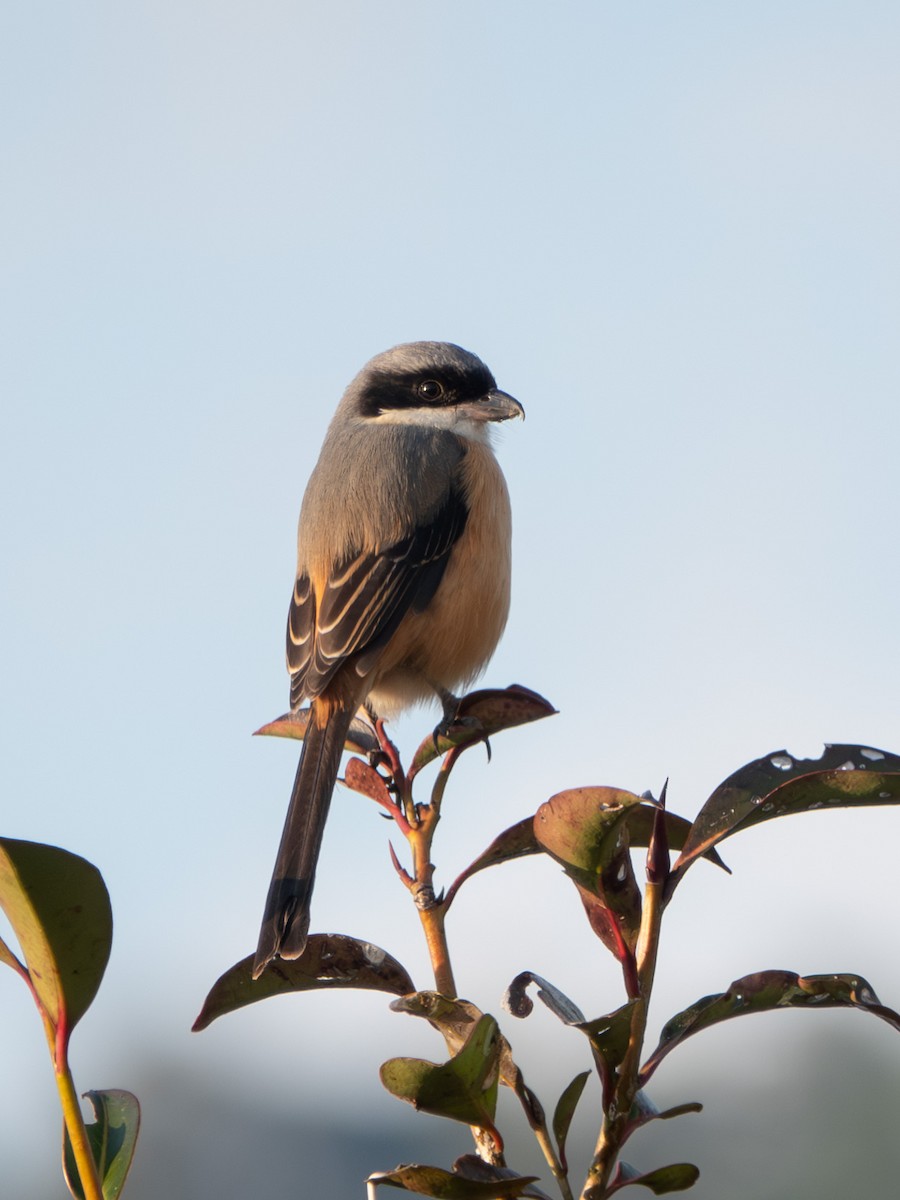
<point>402,586</point>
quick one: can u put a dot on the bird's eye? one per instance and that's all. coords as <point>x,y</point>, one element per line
<point>430,389</point>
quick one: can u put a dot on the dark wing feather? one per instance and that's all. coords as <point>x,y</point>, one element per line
<point>366,598</point>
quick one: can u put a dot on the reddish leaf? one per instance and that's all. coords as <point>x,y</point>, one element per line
<point>362,778</point>
<point>480,715</point>
<point>587,831</point>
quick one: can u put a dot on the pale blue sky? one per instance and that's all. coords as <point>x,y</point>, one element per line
<point>671,231</point>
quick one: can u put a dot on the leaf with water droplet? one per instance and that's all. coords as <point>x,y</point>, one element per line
<point>767,991</point>
<point>330,960</point>
<point>845,776</point>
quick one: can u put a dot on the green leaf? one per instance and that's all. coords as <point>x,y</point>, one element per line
<point>59,909</point>
<point>462,1089</point>
<point>330,960</point>
<point>609,1037</point>
<point>587,831</point>
<point>446,1185</point>
<point>480,715</point>
<point>113,1137</point>
<point>778,785</point>
<point>766,991</point>
<point>455,1020</point>
<point>565,1111</point>
<point>677,1177</point>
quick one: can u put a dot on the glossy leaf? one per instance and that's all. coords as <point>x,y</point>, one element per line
<point>587,831</point>
<point>330,960</point>
<point>447,1185</point>
<point>519,841</point>
<point>609,1036</point>
<point>58,907</point>
<point>361,738</point>
<point>480,715</point>
<point>462,1089</point>
<point>766,991</point>
<point>640,827</point>
<point>565,1111</point>
<point>677,1177</point>
<point>112,1136</point>
<point>778,785</point>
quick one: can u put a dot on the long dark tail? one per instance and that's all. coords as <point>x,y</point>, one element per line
<point>286,919</point>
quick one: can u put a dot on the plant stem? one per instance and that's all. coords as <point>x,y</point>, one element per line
<point>616,1120</point>
<point>549,1152</point>
<point>431,910</point>
<point>436,939</point>
<point>74,1122</point>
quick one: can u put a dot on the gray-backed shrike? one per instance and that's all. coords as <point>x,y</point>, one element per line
<point>403,576</point>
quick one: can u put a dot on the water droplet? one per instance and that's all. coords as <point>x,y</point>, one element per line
<point>739,997</point>
<point>622,873</point>
<point>872,755</point>
<point>815,804</point>
<point>884,795</point>
<point>374,954</point>
<point>767,807</point>
<point>847,766</point>
<point>756,799</point>
<point>782,761</point>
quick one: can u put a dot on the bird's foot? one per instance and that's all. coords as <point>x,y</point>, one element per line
<point>453,719</point>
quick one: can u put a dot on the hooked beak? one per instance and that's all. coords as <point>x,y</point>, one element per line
<point>498,406</point>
